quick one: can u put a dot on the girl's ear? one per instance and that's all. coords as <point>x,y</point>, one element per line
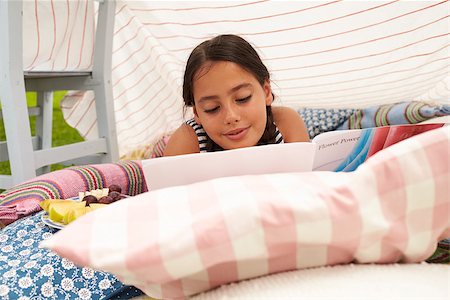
<point>268,93</point>
<point>197,120</point>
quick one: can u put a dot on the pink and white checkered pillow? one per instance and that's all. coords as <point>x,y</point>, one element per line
<point>183,240</point>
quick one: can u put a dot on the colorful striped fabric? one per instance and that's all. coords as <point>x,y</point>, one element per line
<point>180,241</point>
<point>394,114</point>
<point>328,54</point>
<point>23,199</point>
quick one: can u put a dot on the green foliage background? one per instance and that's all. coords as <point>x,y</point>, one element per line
<point>62,133</point>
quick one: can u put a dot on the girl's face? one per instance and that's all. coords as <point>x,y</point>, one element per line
<point>230,104</point>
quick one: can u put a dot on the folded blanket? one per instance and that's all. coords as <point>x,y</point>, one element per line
<point>394,114</point>
<point>23,199</point>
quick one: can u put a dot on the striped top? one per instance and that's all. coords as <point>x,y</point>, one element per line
<point>201,135</point>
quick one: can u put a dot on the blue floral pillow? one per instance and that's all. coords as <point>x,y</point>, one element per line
<point>27,271</point>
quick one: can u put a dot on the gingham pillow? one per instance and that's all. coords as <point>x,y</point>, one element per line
<point>183,240</point>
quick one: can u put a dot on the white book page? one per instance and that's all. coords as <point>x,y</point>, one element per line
<point>186,169</point>
<point>333,147</point>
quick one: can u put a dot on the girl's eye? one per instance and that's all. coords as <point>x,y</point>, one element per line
<point>211,110</point>
<point>243,100</point>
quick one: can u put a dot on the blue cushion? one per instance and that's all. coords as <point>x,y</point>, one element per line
<point>31,272</point>
<point>323,120</point>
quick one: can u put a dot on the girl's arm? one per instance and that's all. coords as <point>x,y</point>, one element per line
<point>182,141</point>
<point>290,124</point>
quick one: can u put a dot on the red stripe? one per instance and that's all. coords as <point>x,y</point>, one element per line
<point>128,88</point>
<point>135,177</point>
<point>118,11</point>
<point>70,39</point>
<point>364,78</point>
<point>366,68</point>
<point>38,34</point>
<point>148,72</point>
<point>150,85</point>
<point>242,20</point>
<point>349,31</point>
<point>194,8</point>
<point>83,35</point>
<point>128,23</point>
<point>91,63</point>
<point>365,86</point>
<point>90,128</point>
<point>34,187</point>
<point>158,78</point>
<point>151,100</point>
<point>54,30</point>
<point>78,95</point>
<point>85,112</point>
<point>67,27</point>
<point>357,44</point>
<point>122,132</point>
<point>130,56</point>
<point>130,39</point>
<point>147,128</point>
<point>94,178</point>
<point>146,117</point>
<point>134,52</point>
<point>360,57</point>
<point>410,93</point>
<point>288,29</point>
<point>332,35</point>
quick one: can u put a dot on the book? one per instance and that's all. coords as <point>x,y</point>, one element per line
<point>336,151</point>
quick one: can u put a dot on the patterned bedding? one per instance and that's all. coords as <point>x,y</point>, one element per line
<point>393,208</point>
<point>29,271</point>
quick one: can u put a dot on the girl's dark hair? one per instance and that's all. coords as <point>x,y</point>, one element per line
<point>234,49</point>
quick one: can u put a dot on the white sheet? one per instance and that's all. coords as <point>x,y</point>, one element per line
<point>321,54</point>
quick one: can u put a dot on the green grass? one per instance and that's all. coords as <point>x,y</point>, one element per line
<point>62,133</point>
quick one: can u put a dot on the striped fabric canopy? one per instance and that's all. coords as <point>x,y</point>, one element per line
<point>320,54</point>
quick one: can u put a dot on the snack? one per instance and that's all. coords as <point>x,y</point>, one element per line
<point>58,210</point>
<point>66,211</point>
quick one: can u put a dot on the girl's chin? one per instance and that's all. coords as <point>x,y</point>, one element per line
<point>231,146</point>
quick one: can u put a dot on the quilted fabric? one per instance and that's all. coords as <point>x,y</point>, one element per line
<point>323,120</point>
<point>23,199</point>
<point>183,240</point>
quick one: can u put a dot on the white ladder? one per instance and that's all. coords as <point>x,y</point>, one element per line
<point>27,154</point>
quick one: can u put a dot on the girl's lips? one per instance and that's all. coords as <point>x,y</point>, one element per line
<point>236,134</point>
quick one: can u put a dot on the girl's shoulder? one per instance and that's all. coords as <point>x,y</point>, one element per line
<point>182,141</point>
<point>290,124</point>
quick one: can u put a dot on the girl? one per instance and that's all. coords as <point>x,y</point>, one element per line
<point>228,87</point>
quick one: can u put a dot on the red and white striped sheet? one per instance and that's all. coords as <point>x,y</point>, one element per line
<point>58,35</point>
<point>320,54</point>
<point>183,240</point>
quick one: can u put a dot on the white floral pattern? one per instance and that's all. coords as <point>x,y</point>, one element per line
<point>87,273</point>
<point>35,273</point>
<point>67,284</point>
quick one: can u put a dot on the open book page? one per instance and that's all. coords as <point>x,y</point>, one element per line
<point>185,169</point>
<point>333,147</point>
<point>346,150</point>
<point>330,151</point>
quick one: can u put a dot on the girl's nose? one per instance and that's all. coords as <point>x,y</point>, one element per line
<point>231,115</point>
